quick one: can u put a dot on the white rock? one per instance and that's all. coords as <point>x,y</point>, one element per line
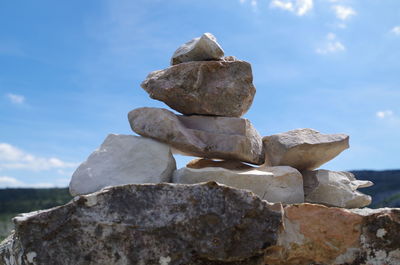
<point>274,184</point>
<point>334,188</point>
<point>203,48</point>
<point>123,159</point>
<point>304,149</point>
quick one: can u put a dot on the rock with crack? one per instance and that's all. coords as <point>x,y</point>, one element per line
<point>274,184</point>
<point>203,136</point>
<point>149,224</point>
<point>219,88</point>
<point>335,188</point>
<point>203,48</point>
<point>123,159</point>
<point>304,149</point>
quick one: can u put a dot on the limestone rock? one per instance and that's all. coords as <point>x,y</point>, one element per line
<point>334,188</point>
<point>203,136</point>
<point>123,159</point>
<point>203,48</point>
<point>304,149</point>
<point>227,164</point>
<point>149,224</point>
<point>274,184</point>
<point>221,88</point>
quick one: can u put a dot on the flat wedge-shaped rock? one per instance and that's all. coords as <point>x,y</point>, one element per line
<point>203,48</point>
<point>304,149</point>
<point>123,159</point>
<point>219,88</point>
<point>203,136</point>
<point>274,184</point>
<point>227,164</point>
<point>148,224</point>
<point>334,188</point>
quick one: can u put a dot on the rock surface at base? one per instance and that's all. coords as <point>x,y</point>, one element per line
<point>203,136</point>
<point>123,159</point>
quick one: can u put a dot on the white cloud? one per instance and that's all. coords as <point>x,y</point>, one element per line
<point>9,182</point>
<point>384,114</point>
<point>343,12</point>
<point>332,45</point>
<point>299,7</point>
<point>15,99</point>
<point>14,158</point>
<point>396,30</point>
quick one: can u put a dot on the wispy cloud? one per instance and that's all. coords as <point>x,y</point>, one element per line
<point>10,182</point>
<point>384,114</point>
<point>344,12</point>
<point>332,45</point>
<point>298,7</point>
<point>15,99</point>
<point>396,30</point>
<point>14,158</point>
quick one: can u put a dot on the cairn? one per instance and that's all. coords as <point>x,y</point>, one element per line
<point>213,92</point>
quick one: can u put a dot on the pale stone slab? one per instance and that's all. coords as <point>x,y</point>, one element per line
<point>274,184</point>
<point>334,188</point>
<point>202,136</point>
<point>203,48</point>
<point>304,149</point>
<point>218,88</point>
<point>123,159</point>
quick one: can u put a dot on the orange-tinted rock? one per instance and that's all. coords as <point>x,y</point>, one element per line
<point>227,164</point>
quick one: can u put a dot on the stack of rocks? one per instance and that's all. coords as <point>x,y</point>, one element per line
<point>213,92</point>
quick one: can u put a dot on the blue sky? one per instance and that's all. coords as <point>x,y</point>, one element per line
<point>70,71</point>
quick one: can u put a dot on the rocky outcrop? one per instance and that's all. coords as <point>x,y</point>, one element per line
<point>203,48</point>
<point>204,136</point>
<point>148,224</point>
<point>274,184</point>
<point>304,149</point>
<point>123,159</point>
<point>222,88</point>
<point>334,188</point>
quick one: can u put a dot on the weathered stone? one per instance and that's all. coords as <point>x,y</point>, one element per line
<point>304,149</point>
<point>227,164</point>
<point>274,184</point>
<point>335,188</point>
<point>203,136</point>
<point>149,224</point>
<point>221,88</point>
<point>203,48</point>
<point>123,159</point>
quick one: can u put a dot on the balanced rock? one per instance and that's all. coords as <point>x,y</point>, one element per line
<point>203,48</point>
<point>123,159</point>
<point>221,88</point>
<point>274,184</point>
<point>304,149</point>
<point>334,188</point>
<point>148,224</point>
<point>203,136</point>
<point>227,164</point>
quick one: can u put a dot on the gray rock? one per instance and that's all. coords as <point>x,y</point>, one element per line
<point>219,88</point>
<point>203,136</point>
<point>334,188</point>
<point>274,184</point>
<point>304,149</point>
<point>149,224</point>
<point>203,48</point>
<point>123,159</point>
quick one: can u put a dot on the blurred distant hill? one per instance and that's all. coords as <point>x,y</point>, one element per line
<point>385,193</point>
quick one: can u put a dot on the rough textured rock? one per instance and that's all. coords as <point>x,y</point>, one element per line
<point>227,164</point>
<point>221,88</point>
<point>203,136</point>
<point>335,188</point>
<point>203,48</point>
<point>274,184</point>
<point>123,159</point>
<point>304,149</point>
<point>149,224</point>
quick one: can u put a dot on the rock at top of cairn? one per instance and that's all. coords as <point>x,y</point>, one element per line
<point>203,48</point>
<point>304,149</point>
